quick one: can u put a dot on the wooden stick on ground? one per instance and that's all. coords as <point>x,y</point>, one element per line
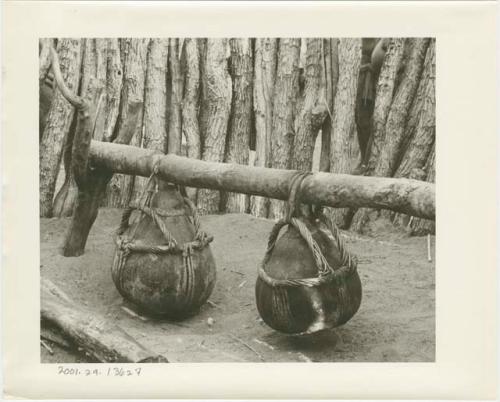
<point>247,346</point>
<point>101,340</point>
<point>46,346</point>
<point>429,257</point>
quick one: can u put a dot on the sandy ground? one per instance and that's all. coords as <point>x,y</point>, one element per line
<point>395,323</point>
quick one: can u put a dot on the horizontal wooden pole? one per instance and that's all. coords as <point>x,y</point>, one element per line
<point>407,196</point>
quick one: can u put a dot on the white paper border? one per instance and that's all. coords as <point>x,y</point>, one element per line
<point>466,279</point>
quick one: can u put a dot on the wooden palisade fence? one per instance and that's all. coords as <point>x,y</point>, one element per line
<point>258,103</point>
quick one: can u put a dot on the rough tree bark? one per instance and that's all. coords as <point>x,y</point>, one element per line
<point>190,71</point>
<point>175,121</point>
<point>365,99</point>
<point>421,124</point>
<point>101,76</point>
<point>155,97</point>
<point>331,61</point>
<point>86,111</point>
<point>91,181</point>
<point>134,54</point>
<point>312,107</point>
<point>419,226</point>
<point>395,125</point>
<point>263,91</point>
<point>383,100</point>
<point>114,80</point>
<point>285,95</point>
<point>90,194</point>
<point>155,102</point>
<point>215,110</point>
<point>44,58</point>
<point>93,68</point>
<point>344,148</point>
<point>89,64</point>
<point>65,198</point>
<point>46,92</point>
<point>57,124</point>
<point>421,129</point>
<point>240,121</point>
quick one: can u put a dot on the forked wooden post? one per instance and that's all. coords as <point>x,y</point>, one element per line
<point>91,182</point>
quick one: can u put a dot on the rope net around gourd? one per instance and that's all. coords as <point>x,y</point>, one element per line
<point>127,244</point>
<point>292,217</point>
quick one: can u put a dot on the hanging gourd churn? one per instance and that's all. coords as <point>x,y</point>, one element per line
<point>308,281</point>
<point>163,263</point>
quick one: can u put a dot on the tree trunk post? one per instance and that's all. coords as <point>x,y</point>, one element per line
<point>331,58</point>
<point>190,70</point>
<point>421,126</point>
<point>263,92</point>
<point>101,51</point>
<point>344,147</point>
<point>65,199</point>
<point>155,102</point>
<point>57,124</point>
<point>383,100</point>
<point>134,54</point>
<point>395,125</point>
<point>312,108</point>
<point>240,121</point>
<point>114,81</point>
<point>175,122</point>
<point>44,57</point>
<point>285,97</point>
<point>421,226</point>
<point>421,122</point>
<point>91,182</point>
<point>215,110</point>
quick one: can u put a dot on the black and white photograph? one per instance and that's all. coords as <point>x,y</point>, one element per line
<point>237,199</point>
